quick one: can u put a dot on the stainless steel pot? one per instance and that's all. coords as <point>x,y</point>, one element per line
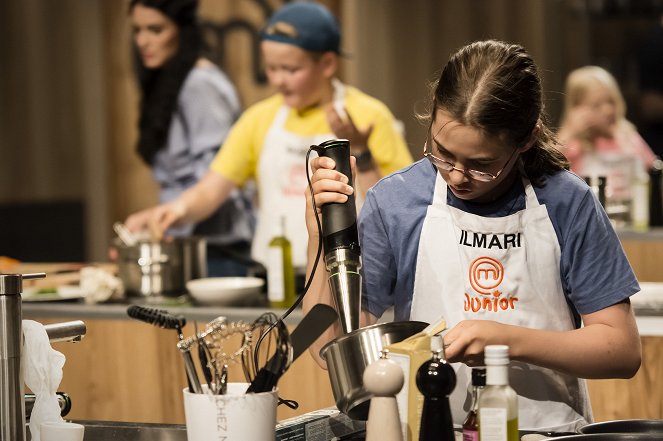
<point>161,268</point>
<point>350,354</point>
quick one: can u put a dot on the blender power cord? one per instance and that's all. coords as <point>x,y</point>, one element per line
<point>290,403</point>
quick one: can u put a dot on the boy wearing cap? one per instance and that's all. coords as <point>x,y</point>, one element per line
<point>300,46</point>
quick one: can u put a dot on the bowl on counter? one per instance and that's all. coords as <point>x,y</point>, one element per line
<point>225,291</point>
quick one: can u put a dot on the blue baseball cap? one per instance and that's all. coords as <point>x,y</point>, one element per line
<point>307,25</point>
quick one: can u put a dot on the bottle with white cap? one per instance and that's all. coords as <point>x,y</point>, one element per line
<point>498,403</point>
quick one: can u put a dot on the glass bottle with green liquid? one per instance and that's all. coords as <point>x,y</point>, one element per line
<point>280,271</point>
<point>498,403</point>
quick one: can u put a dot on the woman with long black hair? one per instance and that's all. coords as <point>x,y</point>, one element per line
<point>187,108</point>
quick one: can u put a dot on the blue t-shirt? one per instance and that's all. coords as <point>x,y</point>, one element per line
<point>594,270</point>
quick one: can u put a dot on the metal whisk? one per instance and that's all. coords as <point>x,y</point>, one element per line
<point>214,344</point>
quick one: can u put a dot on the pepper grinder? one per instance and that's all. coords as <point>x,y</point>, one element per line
<point>436,380</point>
<point>383,379</point>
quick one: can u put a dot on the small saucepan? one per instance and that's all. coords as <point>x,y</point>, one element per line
<point>161,267</point>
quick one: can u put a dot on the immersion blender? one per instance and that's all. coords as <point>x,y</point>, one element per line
<point>341,241</point>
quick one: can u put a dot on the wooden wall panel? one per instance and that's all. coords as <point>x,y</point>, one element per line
<point>638,397</point>
<point>645,257</point>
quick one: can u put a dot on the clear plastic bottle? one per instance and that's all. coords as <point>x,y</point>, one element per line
<point>280,272</point>
<point>498,403</point>
<point>471,423</point>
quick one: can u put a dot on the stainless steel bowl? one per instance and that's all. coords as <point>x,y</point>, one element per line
<point>350,354</point>
<point>161,268</point>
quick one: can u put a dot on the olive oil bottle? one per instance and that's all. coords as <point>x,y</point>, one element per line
<point>498,402</point>
<point>280,272</point>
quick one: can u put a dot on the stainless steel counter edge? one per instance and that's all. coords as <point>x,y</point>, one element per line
<point>84,311</point>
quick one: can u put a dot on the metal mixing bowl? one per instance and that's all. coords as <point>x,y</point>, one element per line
<point>350,354</point>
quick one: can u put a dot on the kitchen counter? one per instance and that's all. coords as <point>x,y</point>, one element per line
<point>126,370</point>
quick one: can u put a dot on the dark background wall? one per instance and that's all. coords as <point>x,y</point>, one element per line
<point>68,98</point>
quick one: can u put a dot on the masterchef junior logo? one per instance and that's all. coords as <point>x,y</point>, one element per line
<point>485,276</point>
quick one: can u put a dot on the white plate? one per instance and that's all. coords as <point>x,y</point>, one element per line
<point>224,290</point>
<point>64,292</point>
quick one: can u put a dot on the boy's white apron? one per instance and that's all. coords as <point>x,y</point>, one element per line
<point>283,186</point>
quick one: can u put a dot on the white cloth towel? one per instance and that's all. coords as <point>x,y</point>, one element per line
<point>42,371</point>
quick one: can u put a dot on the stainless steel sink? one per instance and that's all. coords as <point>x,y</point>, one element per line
<point>120,431</point>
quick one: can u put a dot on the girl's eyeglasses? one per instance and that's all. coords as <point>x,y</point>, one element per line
<point>474,174</point>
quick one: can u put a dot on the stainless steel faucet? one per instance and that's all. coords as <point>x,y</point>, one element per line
<point>12,405</point>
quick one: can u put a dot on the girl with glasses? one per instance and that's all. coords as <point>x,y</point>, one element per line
<point>492,233</point>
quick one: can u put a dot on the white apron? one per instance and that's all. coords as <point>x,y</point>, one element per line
<point>505,269</point>
<point>283,185</point>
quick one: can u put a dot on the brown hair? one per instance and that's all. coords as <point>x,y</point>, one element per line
<point>496,88</point>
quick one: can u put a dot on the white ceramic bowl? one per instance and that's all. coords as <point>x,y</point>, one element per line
<point>224,290</point>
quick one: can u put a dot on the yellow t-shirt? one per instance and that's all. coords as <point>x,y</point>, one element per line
<point>239,155</point>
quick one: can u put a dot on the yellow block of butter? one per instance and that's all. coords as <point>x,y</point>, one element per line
<point>410,354</point>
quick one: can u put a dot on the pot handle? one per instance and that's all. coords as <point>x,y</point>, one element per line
<point>147,261</point>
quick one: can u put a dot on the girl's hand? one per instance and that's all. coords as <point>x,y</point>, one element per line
<point>586,123</point>
<point>466,341</point>
<point>328,186</point>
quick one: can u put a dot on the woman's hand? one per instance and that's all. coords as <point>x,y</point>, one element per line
<point>138,221</point>
<point>156,219</point>
<point>164,216</point>
<point>328,186</point>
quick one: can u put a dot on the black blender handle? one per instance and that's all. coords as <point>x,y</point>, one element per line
<point>339,226</point>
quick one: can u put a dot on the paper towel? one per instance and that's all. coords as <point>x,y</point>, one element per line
<point>99,285</point>
<point>42,371</point>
